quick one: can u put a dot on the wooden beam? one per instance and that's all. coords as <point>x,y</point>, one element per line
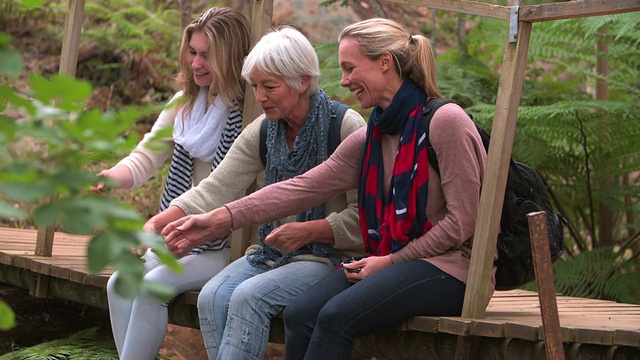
<point>576,9</point>
<point>71,40</point>
<point>261,15</point>
<point>68,64</point>
<point>493,186</point>
<point>463,7</point>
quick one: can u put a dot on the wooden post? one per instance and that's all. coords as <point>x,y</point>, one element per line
<point>546,288</point>
<point>261,15</point>
<point>68,64</point>
<point>71,40</point>
<point>495,179</point>
<point>476,295</point>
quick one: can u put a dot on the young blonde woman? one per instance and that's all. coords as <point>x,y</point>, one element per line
<point>206,116</point>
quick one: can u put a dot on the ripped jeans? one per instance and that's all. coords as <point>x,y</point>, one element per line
<point>235,307</point>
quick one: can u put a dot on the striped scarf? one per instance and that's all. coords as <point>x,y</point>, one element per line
<point>389,221</point>
<point>180,177</point>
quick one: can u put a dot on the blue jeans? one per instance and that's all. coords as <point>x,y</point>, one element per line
<point>323,322</point>
<point>235,307</point>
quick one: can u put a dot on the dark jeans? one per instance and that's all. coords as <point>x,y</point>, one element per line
<point>323,322</point>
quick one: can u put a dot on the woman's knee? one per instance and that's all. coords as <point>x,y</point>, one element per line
<point>332,314</point>
<point>247,293</point>
<point>111,284</point>
<point>214,293</point>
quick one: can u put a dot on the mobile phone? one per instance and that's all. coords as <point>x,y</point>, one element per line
<point>350,260</point>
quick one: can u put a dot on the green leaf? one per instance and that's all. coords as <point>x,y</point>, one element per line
<point>26,191</point>
<point>159,290</point>
<point>70,91</point>
<point>127,287</point>
<point>10,60</point>
<point>42,89</point>
<point>46,215</point>
<point>32,3</point>
<point>10,211</point>
<point>169,260</point>
<point>7,317</point>
<point>100,252</point>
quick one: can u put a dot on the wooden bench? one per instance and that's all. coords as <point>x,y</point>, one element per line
<point>509,326</point>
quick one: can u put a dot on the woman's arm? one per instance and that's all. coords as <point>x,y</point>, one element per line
<point>149,155</point>
<point>337,174</point>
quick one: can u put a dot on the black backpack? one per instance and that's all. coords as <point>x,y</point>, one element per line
<point>333,139</point>
<point>525,192</point>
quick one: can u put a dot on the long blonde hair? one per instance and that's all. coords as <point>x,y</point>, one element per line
<point>228,33</point>
<point>413,55</point>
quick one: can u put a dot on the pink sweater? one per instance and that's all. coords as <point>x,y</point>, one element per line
<point>452,204</point>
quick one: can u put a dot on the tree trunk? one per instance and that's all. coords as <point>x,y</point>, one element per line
<point>606,219</point>
<point>185,13</point>
<point>461,36</point>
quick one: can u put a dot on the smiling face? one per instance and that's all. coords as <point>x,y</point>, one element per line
<point>197,57</point>
<point>362,76</point>
<point>279,100</point>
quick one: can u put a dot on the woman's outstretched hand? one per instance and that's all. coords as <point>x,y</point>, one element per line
<point>190,231</point>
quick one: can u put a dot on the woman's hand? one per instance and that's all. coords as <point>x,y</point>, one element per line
<point>292,236</point>
<point>160,220</point>
<point>358,270</point>
<point>190,231</point>
<point>120,173</point>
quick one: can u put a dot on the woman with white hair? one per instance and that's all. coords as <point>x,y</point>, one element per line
<point>235,307</point>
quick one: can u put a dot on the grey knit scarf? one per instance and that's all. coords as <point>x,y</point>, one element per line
<point>309,149</point>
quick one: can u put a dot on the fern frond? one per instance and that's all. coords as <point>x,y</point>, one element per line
<point>597,274</point>
<point>81,345</point>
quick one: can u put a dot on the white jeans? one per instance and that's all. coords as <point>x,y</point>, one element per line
<point>139,325</point>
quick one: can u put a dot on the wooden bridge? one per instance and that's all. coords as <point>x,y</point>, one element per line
<point>512,326</point>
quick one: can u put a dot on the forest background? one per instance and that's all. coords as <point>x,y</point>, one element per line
<point>578,123</point>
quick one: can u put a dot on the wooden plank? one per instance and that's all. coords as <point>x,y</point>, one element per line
<point>463,7</point>
<point>488,328</point>
<point>455,326</point>
<point>576,9</point>
<point>428,324</point>
<point>627,338</point>
<point>522,330</point>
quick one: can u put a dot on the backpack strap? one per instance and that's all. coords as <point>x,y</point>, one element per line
<point>263,140</point>
<point>335,125</point>
<point>430,108</point>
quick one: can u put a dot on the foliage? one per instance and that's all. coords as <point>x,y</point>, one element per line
<point>604,273</point>
<point>81,345</point>
<point>48,136</point>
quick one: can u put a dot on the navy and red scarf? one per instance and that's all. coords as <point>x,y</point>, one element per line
<point>389,221</point>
